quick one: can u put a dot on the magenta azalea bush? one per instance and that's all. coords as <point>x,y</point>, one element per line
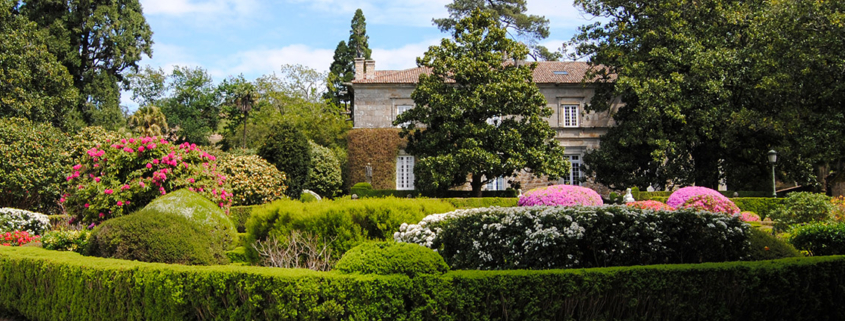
<point>711,203</point>
<point>561,195</point>
<point>651,205</point>
<point>679,197</point>
<point>749,217</point>
<point>116,180</point>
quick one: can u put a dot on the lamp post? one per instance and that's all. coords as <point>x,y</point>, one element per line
<point>773,159</point>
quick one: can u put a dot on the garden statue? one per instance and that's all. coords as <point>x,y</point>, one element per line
<point>628,197</point>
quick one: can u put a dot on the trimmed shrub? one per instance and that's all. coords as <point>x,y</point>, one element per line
<point>153,236</point>
<point>325,178</point>
<point>749,217</point>
<point>481,202</point>
<point>561,195</point>
<point>650,205</point>
<point>66,240</point>
<point>288,149</point>
<point>764,246</point>
<point>385,258</point>
<point>573,237</point>
<point>711,203</point>
<point>200,211</point>
<point>760,205</point>
<point>820,238</point>
<point>802,207</point>
<point>239,215</point>
<point>33,157</point>
<point>308,196</point>
<point>349,222</point>
<point>12,219</point>
<point>83,288</point>
<point>254,181</point>
<point>680,197</point>
<point>362,185</point>
<point>119,179</point>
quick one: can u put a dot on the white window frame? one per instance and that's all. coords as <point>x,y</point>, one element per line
<point>569,115</point>
<point>399,110</point>
<point>575,174</point>
<point>497,184</point>
<point>405,173</point>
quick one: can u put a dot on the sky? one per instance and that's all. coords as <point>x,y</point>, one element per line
<point>256,37</point>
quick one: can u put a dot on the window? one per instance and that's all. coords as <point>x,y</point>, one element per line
<point>405,172</point>
<point>574,177</point>
<point>401,109</point>
<point>497,184</point>
<point>569,115</point>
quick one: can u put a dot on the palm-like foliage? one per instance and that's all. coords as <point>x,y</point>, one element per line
<point>243,96</point>
<point>149,121</point>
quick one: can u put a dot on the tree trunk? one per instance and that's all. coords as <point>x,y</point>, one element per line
<point>476,185</point>
<point>246,116</point>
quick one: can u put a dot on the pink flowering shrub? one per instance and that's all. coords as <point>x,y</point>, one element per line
<point>711,203</point>
<point>651,205</point>
<point>749,217</point>
<point>115,180</point>
<point>561,195</point>
<point>679,197</point>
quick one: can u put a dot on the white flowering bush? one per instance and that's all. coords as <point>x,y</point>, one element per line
<point>574,237</point>
<point>12,219</point>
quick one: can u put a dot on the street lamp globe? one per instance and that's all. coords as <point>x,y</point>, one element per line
<point>773,157</point>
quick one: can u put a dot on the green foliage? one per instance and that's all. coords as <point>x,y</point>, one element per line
<point>239,215</point>
<point>254,181</point>
<point>377,147</point>
<point>362,185</point>
<point>307,198</point>
<point>362,193</point>
<point>33,158</point>
<point>325,177</point>
<point>194,107</point>
<point>155,236</point>
<point>385,258</point>
<point>340,71</point>
<point>114,180</point>
<point>760,205</point>
<point>802,207</point>
<point>90,137</point>
<point>199,211</point>
<point>237,255</point>
<point>66,240</point>
<point>97,41</point>
<point>358,39</point>
<point>33,84</point>
<point>764,246</point>
<point>489,122</point>
<point>351,222</point>
<point>12,219</point>
<point>481,202</point>
<point>820,238</point>
<point>149,121</point>
<point>289,150</point>
<point>85,288</point>
<point>510,15</point>
<point>240,97</point>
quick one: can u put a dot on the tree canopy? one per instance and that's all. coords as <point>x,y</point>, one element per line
<point>479,114</point>
<point>511,14</point>
<point>342,69</point>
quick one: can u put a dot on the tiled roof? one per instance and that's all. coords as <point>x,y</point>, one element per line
<point>543,74</point>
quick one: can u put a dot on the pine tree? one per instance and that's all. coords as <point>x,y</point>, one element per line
<point>358,38</point>
<point>342,69</point>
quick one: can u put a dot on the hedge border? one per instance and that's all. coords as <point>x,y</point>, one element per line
<point>46,285</point>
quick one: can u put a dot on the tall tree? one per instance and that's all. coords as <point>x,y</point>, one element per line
<point>481,115</point>
<point>148,85</point>
<point>341,71</point>
<point>358,43</point>
<point>97,41</point>
<point>511,15</point>
<point>240,97</point>
<point>33,84</point>
<point>193,109</point>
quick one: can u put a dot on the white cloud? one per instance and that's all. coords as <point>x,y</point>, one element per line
<point>389,12</point>
<point>183,7</point>
<point>257,62</point>
<point>561,14</point>
<point>403,57</point>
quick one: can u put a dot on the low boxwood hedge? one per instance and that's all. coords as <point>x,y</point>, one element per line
<point>45,285</point>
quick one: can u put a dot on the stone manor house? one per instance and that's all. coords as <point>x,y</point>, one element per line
<point>381,95</point>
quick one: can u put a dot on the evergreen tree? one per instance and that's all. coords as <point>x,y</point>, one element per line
<point>358,39</point>
<point>289,150</point>
<point>342,69</point>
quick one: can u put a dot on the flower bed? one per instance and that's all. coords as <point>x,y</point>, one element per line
<point>12,219</point>
<point>561,195</point>
<point>651,205</point>
<point>711,203</point>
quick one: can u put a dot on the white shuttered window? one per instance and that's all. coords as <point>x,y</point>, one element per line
<point>405,172</point>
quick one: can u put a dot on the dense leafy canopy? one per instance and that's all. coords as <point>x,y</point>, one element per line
<point>710,86</point>
<point>288,149</point>
<point>511,16</point>
<point>479,113</point>
<point>342,69</point>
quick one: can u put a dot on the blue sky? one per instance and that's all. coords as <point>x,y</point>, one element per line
<point>255,37</point>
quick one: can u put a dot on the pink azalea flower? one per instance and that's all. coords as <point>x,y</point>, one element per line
<point>62,200</point>
<point>149,165</point>
<point>77,167</point>
<point>142,184</point>
<point>123,141</point>
<point>140,148</point>
<point>108,191</point>
<point>119,203</point>
<point>96,165</point>
<point>97,179</point>
<point>132,140</point>
<point>102,215</point>
<point>86,205</point>
<point>191,180</point>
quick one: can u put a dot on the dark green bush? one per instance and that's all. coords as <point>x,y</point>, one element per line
<point>350,222</point>
<point>820,238</point>
<point>325,178</point>
<point>802,207</point>
<point>33,162</point>
<point>764,246</point>
<point>47,285</point>
<point>391,258</point>
<point>481,202</point>
<point>288,149</point>
<point>199,210</point>
<point>154,236</point>
<point>763,206</point>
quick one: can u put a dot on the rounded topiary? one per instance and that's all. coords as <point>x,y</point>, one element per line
<point>820,238</point>
<point>803,207</point>
<point>749,216</point>
<point>679,197</point>
<point>764,246</point>
<point>199,210</point>
<point>33,158</point>
<point>362,185</point>
<point>254,181</point>
<point>288,149</point>
<point>561,195</point>
<point>391,258</point>
<point>325,178</point>
<point>153,236</point>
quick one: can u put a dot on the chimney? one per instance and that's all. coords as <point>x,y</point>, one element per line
<point>359,68</point>
<point>371,69</point>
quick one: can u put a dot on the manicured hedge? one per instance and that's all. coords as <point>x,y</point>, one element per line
<point>760,205</point>
<point>482,202</point>
<point>47,285</point>
<point>239,215</point>
<point>642,196</point>
<point>365,193</point>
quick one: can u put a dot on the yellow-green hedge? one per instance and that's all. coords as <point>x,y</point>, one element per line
<point>38,284</point>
